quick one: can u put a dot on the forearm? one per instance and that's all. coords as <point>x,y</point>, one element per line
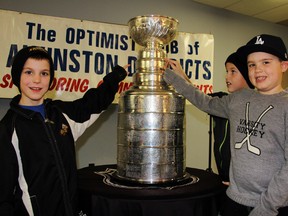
<point>104,95</point>
<point>214,106</point>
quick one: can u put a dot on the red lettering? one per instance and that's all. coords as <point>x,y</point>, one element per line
<point>123,86</point>
<point>7,81</point>
<point>75,85</point>
<point>84,85</point>
<point>53,84</point>
<point>64,84</point>
<point>205,88</point>
<point>100,82</point>
<point>68,84</point>
<point>61,83</point>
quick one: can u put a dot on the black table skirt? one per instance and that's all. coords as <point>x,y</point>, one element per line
<point>101,194</point>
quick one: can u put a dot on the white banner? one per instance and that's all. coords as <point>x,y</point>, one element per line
<point>84,52</point>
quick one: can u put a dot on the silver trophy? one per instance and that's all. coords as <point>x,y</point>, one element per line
<point>150,132</point>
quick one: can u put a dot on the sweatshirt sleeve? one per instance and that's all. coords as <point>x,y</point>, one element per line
<point>212,105</point>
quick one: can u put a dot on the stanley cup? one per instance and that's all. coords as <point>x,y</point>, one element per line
<point>150,131</point>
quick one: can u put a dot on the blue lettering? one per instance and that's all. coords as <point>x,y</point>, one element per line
<point>80,35</point>
<point>30,29</point>
<point>76,66</point>
<point>90,34</point>
<point>208,74</point>
<point>110,62</point>
<point>12,52</point>
<point>191,49</point>
<point>70,35</point>
<point>87,55</point>
<point>132,61</point>
<point>62,60</point>
<point>107,41</point>
<point>188,64</point>
<point>99,67</point>
<point>174,47</point>
<point>123,40</point>
<point>197,69</point>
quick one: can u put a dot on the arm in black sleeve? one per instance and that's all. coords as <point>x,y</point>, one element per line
<point>117,75</point>
<point>95,100</point>
<point>104,95</point>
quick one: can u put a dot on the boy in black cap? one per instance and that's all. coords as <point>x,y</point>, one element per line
<point>21,58</point>
<point>266,56</point>
<point>259,127</point>
<point>37,154</point>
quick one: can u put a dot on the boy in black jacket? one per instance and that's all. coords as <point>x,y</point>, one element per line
<point>37,154</point>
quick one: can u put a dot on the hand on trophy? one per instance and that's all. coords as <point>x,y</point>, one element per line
<point>176,67</point>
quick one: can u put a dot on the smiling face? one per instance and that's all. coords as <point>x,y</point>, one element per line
<point>234,79</point>
<point>266,71</point>
<point>34,81</point>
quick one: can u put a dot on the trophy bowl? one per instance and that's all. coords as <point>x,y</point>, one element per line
<point>152,29</point>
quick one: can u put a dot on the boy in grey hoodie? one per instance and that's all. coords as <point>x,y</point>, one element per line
<point>258,125</point>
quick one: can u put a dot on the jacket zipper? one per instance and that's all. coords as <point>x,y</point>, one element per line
<point>60,167</point>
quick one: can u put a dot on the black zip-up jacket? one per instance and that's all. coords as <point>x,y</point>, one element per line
<point>37,156</point>
<point>221,131</point>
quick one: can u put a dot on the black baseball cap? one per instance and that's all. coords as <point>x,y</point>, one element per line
<point>265,43</point>
<point>21,57</point>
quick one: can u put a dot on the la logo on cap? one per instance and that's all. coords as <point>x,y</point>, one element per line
<point>259,40</point>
